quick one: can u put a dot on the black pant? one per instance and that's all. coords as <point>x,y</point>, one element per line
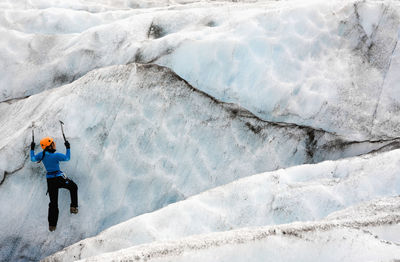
<point>53,184</point>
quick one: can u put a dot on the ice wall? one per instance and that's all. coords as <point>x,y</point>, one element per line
<point>324,65</point>
<point>321,65</point>
<point>141,138</point>
<point>286,196</point>
<point>246,88</point>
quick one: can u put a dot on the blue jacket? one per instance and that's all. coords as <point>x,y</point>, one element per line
<point>51,161</point>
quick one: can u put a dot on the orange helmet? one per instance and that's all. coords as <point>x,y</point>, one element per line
<point>45,142</point>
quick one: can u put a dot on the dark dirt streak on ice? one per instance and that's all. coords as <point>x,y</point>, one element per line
<point>176,248</point>
<point>386,70</point>
<point>13,100</point>
<point>382,66</point>
<point>382,86</point>
<point>8,173</point>
<point>237,111</point>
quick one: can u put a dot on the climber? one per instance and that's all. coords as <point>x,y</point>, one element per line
<point>55,178</point>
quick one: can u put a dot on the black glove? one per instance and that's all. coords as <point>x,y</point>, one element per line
<point>33,146</point>
<point>67,145</point>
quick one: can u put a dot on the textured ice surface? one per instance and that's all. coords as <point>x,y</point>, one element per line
<point>302,193</point>
<point>144,137</point>
<point>326,65</point>
<point>351,239</point>
<point>141,138</point>
<point>312,242</point>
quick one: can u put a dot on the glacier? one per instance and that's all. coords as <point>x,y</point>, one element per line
<point>202,130</point>
<point>315,64</point>
<point>329,193</point>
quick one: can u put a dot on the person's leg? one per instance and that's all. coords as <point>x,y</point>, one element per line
<point>73,190</point>
<point>53,205</point>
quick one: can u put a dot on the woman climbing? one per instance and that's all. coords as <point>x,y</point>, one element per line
<point>55,177</point>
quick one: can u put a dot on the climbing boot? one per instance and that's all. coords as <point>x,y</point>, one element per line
<point>52,228</point>
<point>73,210</point>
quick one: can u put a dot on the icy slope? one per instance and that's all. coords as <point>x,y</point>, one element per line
<point>48,44</point>
<point>302,193</point>
<point>326,65</point>
<point>312,242</point>
<point>327,240</point>
<point>331,66</point>
<point>141,138</point>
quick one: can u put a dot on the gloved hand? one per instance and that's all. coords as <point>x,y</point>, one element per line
<point>67,145</point>
<point>33,146</point>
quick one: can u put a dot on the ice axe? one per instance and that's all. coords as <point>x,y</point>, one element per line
<point>33,134</point>
<point>62,130</point>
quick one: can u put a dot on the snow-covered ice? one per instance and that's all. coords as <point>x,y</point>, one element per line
<point>302,193</point>
<point>203,124</point>
<point>350,239</point>
<point>146,139</point>
<point>326,65</point>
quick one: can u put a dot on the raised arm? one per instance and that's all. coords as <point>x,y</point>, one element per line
<point>67,156</point>
<point>35,158</point>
